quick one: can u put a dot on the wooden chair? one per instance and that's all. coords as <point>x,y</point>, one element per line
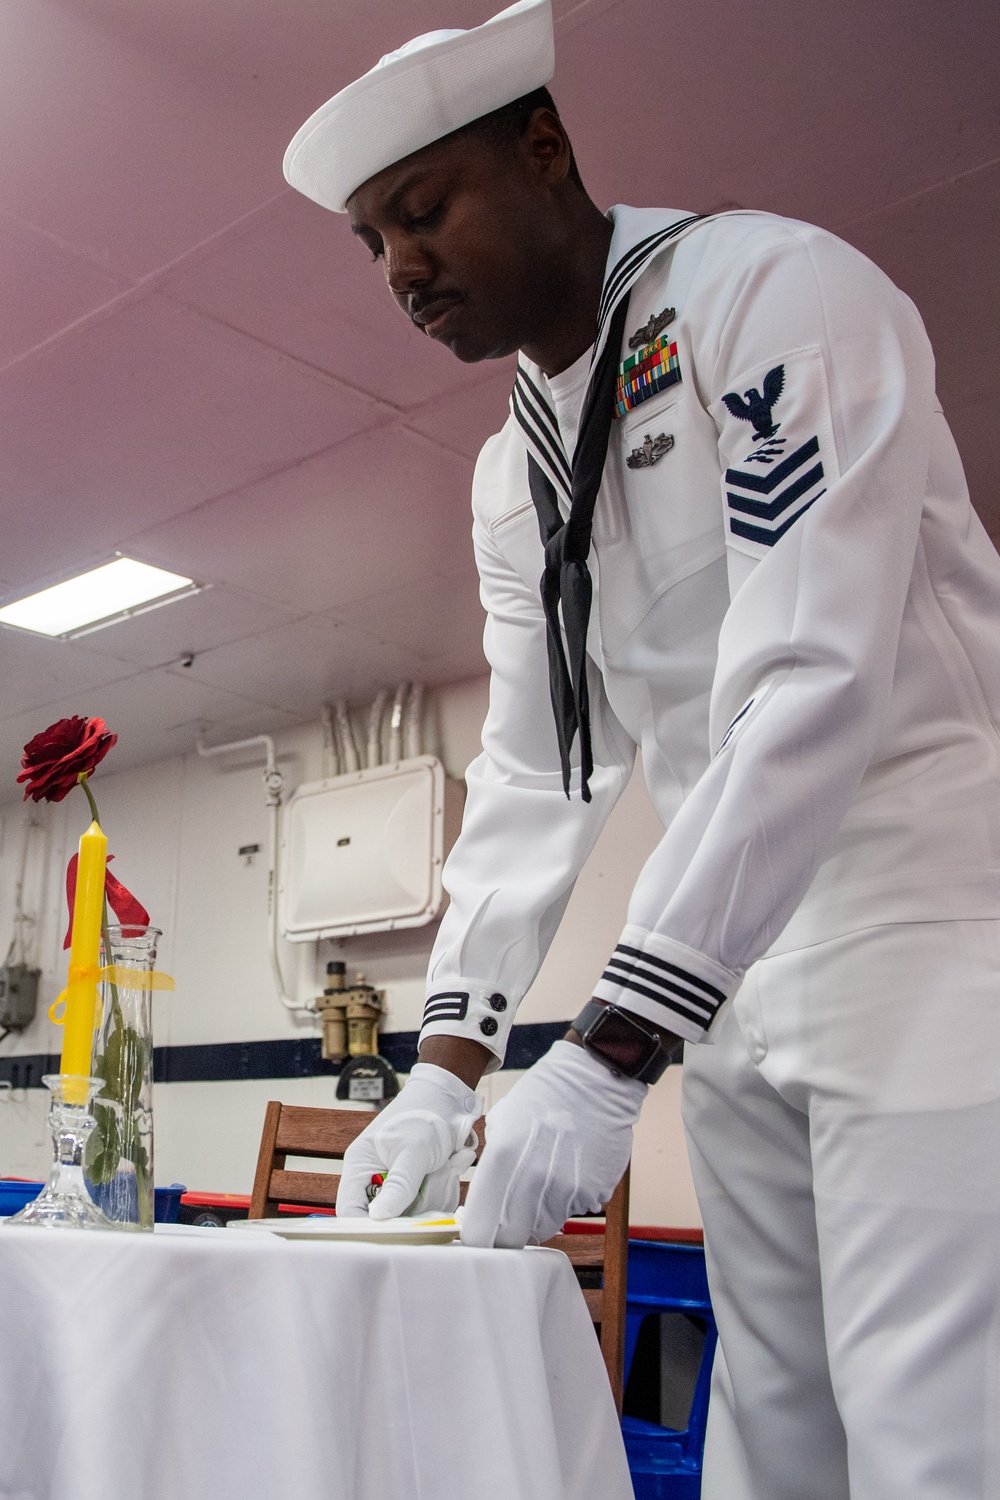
<point>290,1130</point>
<point>599,1260</point>
<point>601,1265</point>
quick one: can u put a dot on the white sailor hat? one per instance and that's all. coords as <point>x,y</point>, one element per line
<point>415,95</point>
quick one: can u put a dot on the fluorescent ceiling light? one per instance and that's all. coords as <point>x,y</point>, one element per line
<point>111,592</point>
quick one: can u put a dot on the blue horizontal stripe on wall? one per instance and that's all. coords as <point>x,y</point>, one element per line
<point>218,1062</point>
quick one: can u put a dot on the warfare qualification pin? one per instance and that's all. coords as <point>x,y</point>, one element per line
<point>651,452</point>
<point>651,330</point>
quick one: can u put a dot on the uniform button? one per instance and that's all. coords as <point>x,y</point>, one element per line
<point>497,1002</point>
<point>489,1026</point>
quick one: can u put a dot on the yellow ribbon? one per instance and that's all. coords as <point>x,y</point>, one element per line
<point>136,979</point>
<point>116,974</point>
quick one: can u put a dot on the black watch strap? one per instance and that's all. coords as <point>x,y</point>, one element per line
<point>624,1043</point>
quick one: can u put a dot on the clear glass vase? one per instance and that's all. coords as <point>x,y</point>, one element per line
<point>64,1202</point>
<point>118,1160</point>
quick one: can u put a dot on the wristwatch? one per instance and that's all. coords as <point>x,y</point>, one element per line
<point>624,1042</point>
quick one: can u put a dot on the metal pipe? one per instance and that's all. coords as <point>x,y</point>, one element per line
<point>396,723</point>
<point>274,782</point>
<point>254,739</point>
<point>349,757</point>
<point>331,760</point>
<point>274,809</point>
<point>415,721</point>
<point>374,757</point>
<point>21,918</point>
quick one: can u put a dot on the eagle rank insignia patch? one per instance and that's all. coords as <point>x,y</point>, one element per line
<point>756,408</point>
<point>778,447</point>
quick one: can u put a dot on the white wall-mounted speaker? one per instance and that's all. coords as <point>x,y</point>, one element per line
<point>363,852</point>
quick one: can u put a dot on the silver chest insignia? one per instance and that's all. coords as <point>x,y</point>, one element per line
<point>652,450</point>
<point>651,330</point>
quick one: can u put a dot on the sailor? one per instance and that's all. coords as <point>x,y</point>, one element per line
<point>758,563</point>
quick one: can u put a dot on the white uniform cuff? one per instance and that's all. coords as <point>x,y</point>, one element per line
<point>666,982</point>
<point>474,1009</point>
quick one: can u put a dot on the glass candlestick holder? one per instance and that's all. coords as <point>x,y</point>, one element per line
<point>64,1202</point>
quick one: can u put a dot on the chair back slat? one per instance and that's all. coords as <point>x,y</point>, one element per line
<point>317,1189</point>
<point>319,1132</point>
<point>583,1250</point>
<point>594,1298</point>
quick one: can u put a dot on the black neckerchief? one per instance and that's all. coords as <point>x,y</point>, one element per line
<point>565,584</point>
<point>566,580</point>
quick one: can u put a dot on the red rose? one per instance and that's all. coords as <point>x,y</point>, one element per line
<point>54,760</point>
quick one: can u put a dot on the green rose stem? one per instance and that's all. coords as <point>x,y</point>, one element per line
<point>125,1050</point>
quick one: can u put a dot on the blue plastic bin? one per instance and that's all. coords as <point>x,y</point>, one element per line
<point>14,1195</point>
<point>167,1203</point>
<point>662,1277</point>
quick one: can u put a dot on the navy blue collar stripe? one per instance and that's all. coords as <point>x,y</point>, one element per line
<point>524,379</point>
<point>538,445</point>
<point>529,416</point>
<point>622,267</point>
<point>545,417</point>
<point>633,260</point>
<point>532,412</point>
<point>566,586</point>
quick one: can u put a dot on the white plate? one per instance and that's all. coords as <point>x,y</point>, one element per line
<point>424,1229</point>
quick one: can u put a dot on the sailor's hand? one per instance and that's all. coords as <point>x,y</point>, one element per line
<point>556,1145</point>
<point>420,1144</point>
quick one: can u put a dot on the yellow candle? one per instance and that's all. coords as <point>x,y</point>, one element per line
<point>84,955</point>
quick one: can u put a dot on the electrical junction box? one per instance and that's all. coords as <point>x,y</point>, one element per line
<point>363,852</point>
<point>18,996</point>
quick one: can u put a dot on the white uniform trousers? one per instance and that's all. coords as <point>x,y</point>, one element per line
<point>844,1130</point>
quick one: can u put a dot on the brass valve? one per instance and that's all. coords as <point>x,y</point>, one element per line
<point>350,1015</point>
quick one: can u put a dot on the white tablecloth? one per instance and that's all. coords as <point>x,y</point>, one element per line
<point>213,1365</point>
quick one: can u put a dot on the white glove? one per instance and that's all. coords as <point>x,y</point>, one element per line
<point>422,1142</point>
<point>556,1145</point>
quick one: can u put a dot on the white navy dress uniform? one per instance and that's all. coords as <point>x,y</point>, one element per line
<point>795,617</point>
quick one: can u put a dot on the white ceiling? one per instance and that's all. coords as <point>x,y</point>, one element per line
<point>202,369</point>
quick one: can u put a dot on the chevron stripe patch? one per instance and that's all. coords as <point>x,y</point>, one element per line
<point>762,506</point>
